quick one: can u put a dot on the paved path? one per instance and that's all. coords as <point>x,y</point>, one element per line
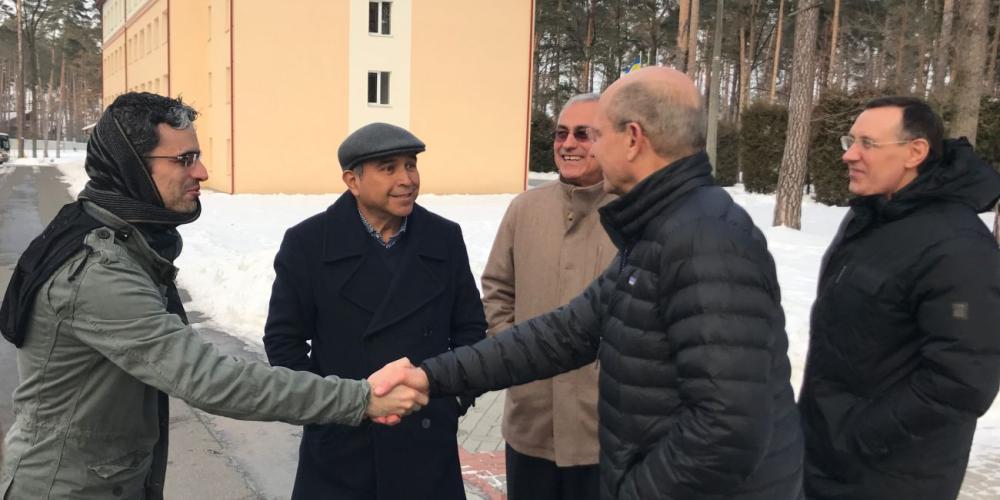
<point>221,458</point>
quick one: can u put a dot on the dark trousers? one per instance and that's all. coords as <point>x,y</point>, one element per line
<point>532,478</point>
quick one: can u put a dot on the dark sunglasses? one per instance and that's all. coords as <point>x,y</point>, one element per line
<point>579,133</point>
<point>186,159</point>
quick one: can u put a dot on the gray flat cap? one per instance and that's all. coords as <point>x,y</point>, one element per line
<point>376,140</point>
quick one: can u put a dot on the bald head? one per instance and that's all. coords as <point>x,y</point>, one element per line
<point>665,103</point>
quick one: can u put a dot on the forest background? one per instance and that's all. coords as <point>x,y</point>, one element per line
<point>783,79</point>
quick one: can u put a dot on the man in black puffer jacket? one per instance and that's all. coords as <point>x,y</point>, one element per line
<point>904,353</point>
<point>686,323</point>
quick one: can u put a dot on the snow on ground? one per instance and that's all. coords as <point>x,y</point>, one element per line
<point>227,261</point>
<point>67,157</point>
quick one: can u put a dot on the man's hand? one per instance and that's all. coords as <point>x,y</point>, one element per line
<point>395,376</point>
<point>390,407</point>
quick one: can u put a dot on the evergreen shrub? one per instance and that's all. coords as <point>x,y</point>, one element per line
<point>832,117</point>
<point>540,143</point>
<point>988,133</point>
<point>727,163</point>
<point>761,144</point>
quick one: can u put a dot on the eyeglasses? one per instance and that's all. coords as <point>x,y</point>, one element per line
<point>186,159</point>
<point>579,133</point>
<point>847,141</point>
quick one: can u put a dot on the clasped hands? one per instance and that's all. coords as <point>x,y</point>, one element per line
<point>398,389</point>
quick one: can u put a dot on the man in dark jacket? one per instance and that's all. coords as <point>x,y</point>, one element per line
<point>373,278</point>
<point>686,323</point>
<point>904,353</point>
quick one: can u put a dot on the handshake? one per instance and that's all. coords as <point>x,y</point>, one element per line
<point>397,390</point>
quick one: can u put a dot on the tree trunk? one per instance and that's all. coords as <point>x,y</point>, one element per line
<point>35,112</point>
<point>991,70</point>
<point>821,56</point>
<point>943,50</point>
<point>683,25</point>
<point>969,71</point>
<point>713,94</point>
<point>20,82</point>
<point>834,32</point>
<point>777,51</point>
<point>899,79</point>
<point>791,177</point>
<point>4,74</point>
<point>744,70</point>
<point>880,59</point>
<point>692,47</point>
<point>751,55</point>
<point>536,66</point>
<point>62,107</point>
<point>588,51</point>
<point>920,78</point>
<point>48,105</point>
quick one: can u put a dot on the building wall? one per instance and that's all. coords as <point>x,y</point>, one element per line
<point>147,47</point>
<point>113,68</point>
<point>135,47</point>
<point>200,70</point>
<point>378,53</point>
<point>470,94</point>
<point>290,65</point>
<point>265,79</point>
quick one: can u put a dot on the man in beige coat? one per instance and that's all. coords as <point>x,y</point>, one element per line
<point>549,247</point>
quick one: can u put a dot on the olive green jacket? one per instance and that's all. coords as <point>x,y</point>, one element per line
<point>99,348</point>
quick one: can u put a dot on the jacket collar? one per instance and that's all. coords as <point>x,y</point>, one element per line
<point>581,201</point>
<point>411,288</point>
<point>626,218</point>
<point>158,267</point>
<point>347,237</point>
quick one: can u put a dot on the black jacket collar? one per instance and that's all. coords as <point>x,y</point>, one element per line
<point>412,287</point>
<point>626,218</point>
<point>346,236</point>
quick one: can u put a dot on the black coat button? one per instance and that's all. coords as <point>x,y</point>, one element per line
<point>425,423</point>
<point>117,490</point>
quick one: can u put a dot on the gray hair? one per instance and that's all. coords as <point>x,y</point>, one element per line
<point>591,97</point>
<point>672,125</point>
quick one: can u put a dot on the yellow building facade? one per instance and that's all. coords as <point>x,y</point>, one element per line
<point>280,85</point>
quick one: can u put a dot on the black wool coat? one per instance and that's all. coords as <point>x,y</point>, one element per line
<point>904,350</point>
<point>337,309</point>
<point>694,394</point>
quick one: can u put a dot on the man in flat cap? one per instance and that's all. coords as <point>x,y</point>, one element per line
<point>374,278</point>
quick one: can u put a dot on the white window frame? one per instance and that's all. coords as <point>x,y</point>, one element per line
<point>382,28</point>
<point>382,88</point>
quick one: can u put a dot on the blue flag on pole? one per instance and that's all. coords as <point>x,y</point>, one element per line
<point>634,66</point>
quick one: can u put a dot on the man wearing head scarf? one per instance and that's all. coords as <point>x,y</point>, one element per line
<point>102,335</point>
<point>372,278</point>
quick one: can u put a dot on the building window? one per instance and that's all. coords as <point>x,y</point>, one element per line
<point>378,87</point>
<point>378,17</point>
